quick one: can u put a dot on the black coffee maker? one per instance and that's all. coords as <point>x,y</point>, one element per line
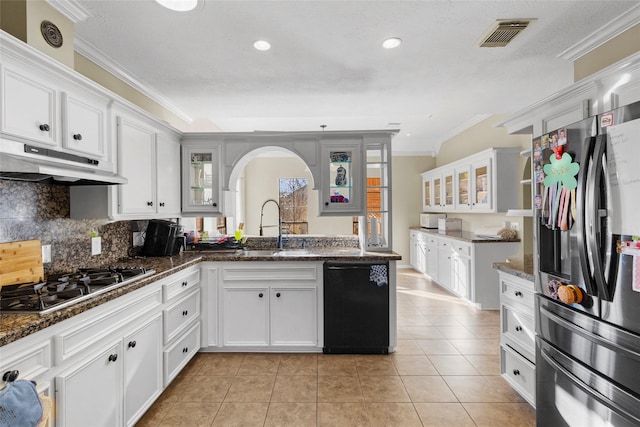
<point>163,238</point>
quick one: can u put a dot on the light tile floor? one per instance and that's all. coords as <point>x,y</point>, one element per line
<point>445,372</point>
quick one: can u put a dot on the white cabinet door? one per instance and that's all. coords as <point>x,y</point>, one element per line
<point>341,187</point>
<point>29,108</point>
<point>246,316</point>
<point>293,316</point>
<point>461,279</point>
<point>84,124</point>
<point>90,394</point>
<point>427,192</point>
<point>201,179</point>
<point>438,199</point>
<point>444,264</point>
<point>422,256</point>
<point>168,173</point>
<point>463,188</point>
<point>413,250</point>
<point>482,196</point>
<point>431,263</point>
<point>448,190</point>
<point>136,148</point>
<point>142,368</point>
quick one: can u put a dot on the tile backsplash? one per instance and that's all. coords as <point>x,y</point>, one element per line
<point>40,211</point>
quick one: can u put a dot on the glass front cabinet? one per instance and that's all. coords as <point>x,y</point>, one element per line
<point>201,180</point>
<point>342,188</point>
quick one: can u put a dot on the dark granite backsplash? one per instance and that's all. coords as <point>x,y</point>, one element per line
<point>31,210</point>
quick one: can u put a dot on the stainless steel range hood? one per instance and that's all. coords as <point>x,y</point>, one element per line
<point>36,164</point>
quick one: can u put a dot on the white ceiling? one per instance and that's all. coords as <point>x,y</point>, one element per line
<point>327,66</point>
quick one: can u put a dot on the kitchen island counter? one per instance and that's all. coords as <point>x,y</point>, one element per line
<point>15,326</point>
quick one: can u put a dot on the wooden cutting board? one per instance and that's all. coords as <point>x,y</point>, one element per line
<point>21,262</point>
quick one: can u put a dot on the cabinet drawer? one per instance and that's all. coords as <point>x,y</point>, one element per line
<point>104,320</point>
<point>30,359</point>
<point>180,284</point>
<point>263,271</point>
<point>519,373</point>
<point>445,244</point>
<point>462,248</point>
<point>517,292</point>
<point>179,315</point>
<point>518,327</point>
<point>179,354</point>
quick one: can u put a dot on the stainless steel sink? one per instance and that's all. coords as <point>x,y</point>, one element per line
<point>276,252</point>
<point>292,252</point>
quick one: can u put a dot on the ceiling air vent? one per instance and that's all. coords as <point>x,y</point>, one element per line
<point>503,33</point>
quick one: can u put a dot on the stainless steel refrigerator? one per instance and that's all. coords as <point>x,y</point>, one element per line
<point>587,271</point>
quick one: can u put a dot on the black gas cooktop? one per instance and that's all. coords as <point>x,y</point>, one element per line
<point>64,290</point>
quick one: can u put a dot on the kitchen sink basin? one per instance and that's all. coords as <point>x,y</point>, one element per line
<point>276,252</point>
<point>292,252</point>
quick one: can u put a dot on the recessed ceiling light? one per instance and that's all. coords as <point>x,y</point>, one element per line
<point>262,45</point>
<point>392,42</point>
<point>179,5</point>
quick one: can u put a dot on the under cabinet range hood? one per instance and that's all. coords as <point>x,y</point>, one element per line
<point>23,162</point>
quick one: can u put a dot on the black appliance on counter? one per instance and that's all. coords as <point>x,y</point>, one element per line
<point>162,238</point>
<point>587,272</point>
<point>356,307</point>
<point>63,290</point>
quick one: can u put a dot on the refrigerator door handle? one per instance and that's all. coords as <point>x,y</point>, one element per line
<point>609,235</point>
<point>590,390</point>
<point>585,198</point>
<point>594,219</point>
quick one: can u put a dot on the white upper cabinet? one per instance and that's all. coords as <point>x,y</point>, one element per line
<point>84,125</point>
<point>46,105</point>
<point>29,107</point>
<point>201,192</point>
<point>341,177</point>
<point>149,157</point>
<point>137,154</point>
<point>484,182</point>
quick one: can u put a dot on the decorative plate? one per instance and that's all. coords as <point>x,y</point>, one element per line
<point>51,33</point>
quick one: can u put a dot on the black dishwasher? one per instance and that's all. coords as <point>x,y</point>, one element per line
<point>356,307</point>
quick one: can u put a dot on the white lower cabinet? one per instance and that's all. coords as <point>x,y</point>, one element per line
<point>181,319</point>
<point>123,377</point>
<point>142,368</point>
<point>517,337</point>
<point>107,365</point>
<point>464,267</point>
<point>293,316</point>
<point>270,305</point>
<point>90,393</point>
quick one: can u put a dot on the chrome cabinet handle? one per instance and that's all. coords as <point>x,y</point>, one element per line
<point>77,136</point>
<point>113,357</point>
<point>516,372</point>
<point>518,328</point>
<point>132,344</point>
<point>44,127</point>
<point>260,295</point>
<point>518,293</point>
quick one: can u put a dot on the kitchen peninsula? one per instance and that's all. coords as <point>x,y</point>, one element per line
<point>161,321</point>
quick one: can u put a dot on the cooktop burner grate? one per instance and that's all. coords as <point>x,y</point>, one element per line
<point>63,290</point>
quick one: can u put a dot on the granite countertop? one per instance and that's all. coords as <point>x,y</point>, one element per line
<point>16,326</point>
<point>466,236</point>
<point>517,266</point>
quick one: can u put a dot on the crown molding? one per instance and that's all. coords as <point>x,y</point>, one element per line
<point>603,34</point>
<point>73,10</point>
<point>108,64</point>
<point>470,123</point>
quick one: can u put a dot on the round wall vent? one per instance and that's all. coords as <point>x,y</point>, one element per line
<point>51,33</point>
